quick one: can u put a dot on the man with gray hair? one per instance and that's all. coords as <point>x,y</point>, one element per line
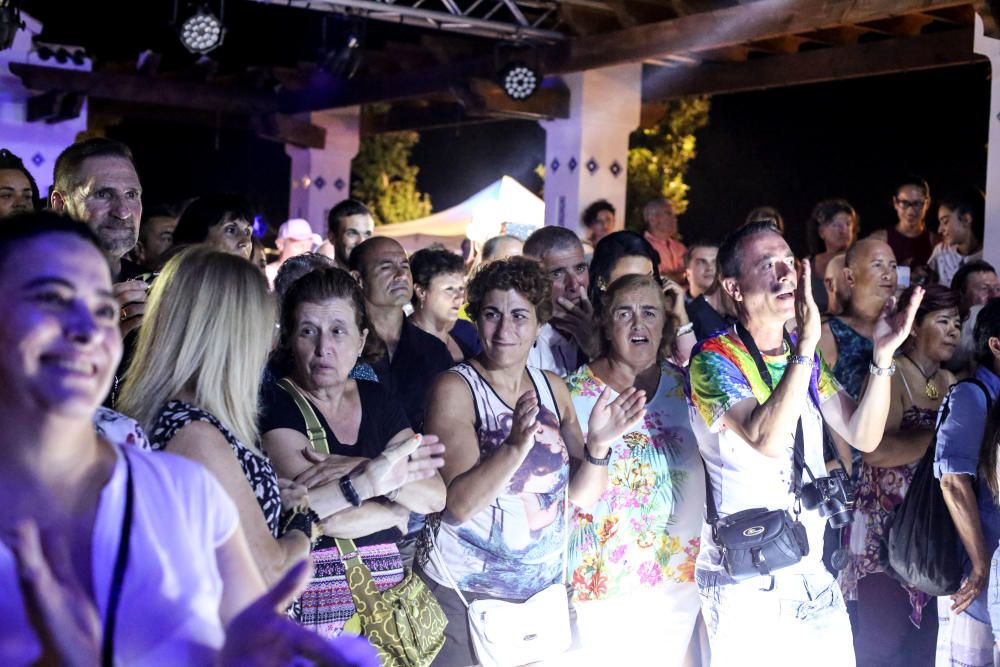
<point>95,181</point>
<point>570,338</point>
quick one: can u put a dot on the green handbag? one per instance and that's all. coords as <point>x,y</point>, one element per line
<point>405,623</point>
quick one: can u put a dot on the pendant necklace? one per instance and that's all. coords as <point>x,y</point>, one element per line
<point>930,390</point>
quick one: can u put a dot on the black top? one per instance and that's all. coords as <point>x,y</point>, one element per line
<point>419,358</point>
<point>257,469</point>
<point>382,417</point>
<point>129,270</point>
<point>707,320</point>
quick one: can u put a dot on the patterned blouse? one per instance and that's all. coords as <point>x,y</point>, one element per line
<point>644,532</point>
<point>257,469</point>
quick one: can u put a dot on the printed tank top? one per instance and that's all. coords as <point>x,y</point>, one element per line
<point>515,546</point>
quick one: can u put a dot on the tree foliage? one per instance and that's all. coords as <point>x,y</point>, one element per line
<point>658,157</point>
<point>383,178</point>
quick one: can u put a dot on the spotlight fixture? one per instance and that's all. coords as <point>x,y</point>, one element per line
<point>202,31</point>
<point>519,81</point>
<point>10,22</point>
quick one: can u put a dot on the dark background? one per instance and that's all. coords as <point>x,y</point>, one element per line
<point>787,148</point>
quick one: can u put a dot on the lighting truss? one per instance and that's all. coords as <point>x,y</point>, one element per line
<point>509,20</point>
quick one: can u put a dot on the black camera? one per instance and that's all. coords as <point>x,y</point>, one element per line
<point>833,496</point>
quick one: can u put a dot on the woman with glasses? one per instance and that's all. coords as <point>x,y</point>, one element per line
<point>910,239</point>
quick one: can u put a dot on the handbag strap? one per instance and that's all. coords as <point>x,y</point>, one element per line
<point>314,430</point>
<point>118,574</point>
<point>361,588</point>
<point>435,554</point>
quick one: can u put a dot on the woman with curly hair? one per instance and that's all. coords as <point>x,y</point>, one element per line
<point>503,532</point>
<point>438,295</point>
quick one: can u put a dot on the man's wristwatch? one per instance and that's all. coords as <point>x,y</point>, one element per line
<point>882,372</point>
<point>595,461</point>
<point>802,360</point>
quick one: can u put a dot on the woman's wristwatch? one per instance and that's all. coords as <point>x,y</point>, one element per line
<point>596,461</point>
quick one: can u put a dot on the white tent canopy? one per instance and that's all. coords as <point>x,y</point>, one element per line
<point>479,217</point>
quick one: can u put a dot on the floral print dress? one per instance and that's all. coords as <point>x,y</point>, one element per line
<point>644,532</point>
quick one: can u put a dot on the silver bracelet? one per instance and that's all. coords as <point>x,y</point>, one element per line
<point>685,329</point>
<point>802,360</point>
<point>882,372</point>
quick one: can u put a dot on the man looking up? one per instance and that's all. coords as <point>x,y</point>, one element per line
<point>414,357</point>
<point>570,339</point>
<point>349,223</point>
<point>95,181</point>
<point>661,227</point>
<point>747,435</point>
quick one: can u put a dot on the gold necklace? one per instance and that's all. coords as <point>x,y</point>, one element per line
<point>930,390</point>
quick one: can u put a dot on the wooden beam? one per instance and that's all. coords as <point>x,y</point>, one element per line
<point>548,103</point>
<point>731,26</point>
<point>145,90</point>
<point>942,49</point>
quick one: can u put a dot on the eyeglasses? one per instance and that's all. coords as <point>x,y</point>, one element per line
<point>916,203</point>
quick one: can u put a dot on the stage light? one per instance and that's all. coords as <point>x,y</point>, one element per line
<point>519,81</point>
<point>202,32</point>
<point>10,22</point>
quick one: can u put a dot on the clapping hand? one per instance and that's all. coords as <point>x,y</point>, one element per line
<point>609,420</point>
<point>892,327</point>
<point>261,635</point>
<point>807,318</point>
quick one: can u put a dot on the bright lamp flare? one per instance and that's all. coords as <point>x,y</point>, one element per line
<point>519,81</point>
<point>202,32</point>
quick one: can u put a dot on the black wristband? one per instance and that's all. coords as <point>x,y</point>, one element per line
<point>595,461</point>
<point>306,522</point>
<point>350,493</point>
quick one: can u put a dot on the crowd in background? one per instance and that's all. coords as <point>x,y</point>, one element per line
<point>212,457</point>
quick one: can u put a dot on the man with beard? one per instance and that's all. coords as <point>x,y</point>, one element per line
<point>95,181</point>
<point>570,338</point>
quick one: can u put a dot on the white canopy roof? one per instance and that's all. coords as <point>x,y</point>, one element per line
<point>479,217</point>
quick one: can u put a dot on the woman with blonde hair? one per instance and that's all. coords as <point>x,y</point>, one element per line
<point>193,386</point>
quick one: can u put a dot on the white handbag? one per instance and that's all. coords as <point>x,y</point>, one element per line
<point>510,634</point>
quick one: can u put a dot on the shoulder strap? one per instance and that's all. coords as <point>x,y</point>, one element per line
<point>314,430</point>
<point>118,574</point>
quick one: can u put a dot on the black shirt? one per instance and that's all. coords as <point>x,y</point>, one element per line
<point>707,320</point>
<point>408,377</point>
<point>382,417</point>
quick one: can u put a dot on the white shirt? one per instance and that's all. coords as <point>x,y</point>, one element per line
<point>169,608</point>
<point>946,260</point>
<point>554,352</point>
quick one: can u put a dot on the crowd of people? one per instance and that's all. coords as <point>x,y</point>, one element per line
<point>601,446</point>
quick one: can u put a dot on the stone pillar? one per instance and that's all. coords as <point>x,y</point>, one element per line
<point>39,143</point>
<point>322,178</point>
<point>586,155</point>
<point>990,48</point>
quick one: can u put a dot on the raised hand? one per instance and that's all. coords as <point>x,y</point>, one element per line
<point>71,625</point>
<point>892,327</point>
<point>131,297</point>
<point>609,420</point>
<point>525,423</point>
<point>261,635</point>
<point>577,319</point>
<point>807,316</point>
<point>675,299</point>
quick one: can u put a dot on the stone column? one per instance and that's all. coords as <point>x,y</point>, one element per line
<point>586,155</point>
<point>322,178</point>
<point>990,48</point>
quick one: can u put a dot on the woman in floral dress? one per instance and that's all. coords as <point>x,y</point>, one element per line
<point>631,557</point>
<point>894,624</point>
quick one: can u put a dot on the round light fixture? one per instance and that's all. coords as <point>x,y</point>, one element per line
<point>519,81</point>
<point>202,32</point>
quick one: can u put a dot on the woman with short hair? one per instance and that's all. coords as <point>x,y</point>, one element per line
<point>223,221</point>
<point>510,432</point>
<point>438,296</point>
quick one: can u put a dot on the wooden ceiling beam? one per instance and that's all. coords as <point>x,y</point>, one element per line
<point>730,26</point>
<point>940,49</point>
